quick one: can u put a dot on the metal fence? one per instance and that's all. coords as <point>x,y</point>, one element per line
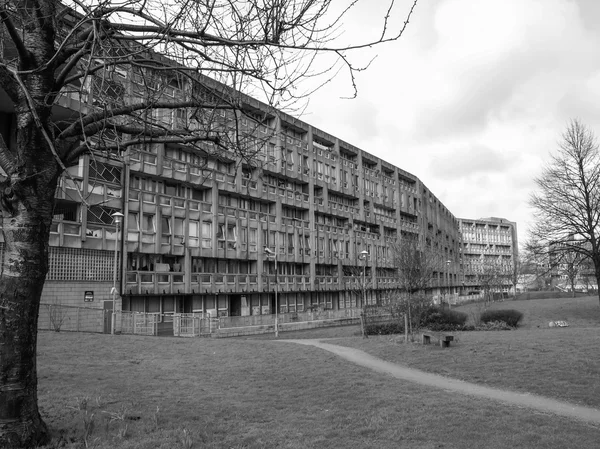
<point>194,325</point>
<point>293,317</point>
<point>136,323</point>
<point>58,317</point>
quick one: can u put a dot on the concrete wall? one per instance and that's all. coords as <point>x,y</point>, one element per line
<point>71,293</point>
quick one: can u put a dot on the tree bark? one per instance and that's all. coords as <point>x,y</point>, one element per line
<point>21,281</point>
<point>27,207</point>
<point>20,422</point>
<point>597,271</point>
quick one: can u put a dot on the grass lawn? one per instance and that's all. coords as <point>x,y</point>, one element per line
<point>579,312</point>
<point>561,363</point>
<point>107,391</point>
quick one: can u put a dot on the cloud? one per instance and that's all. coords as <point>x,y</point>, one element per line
<point>470,161</point>
<point>474,98</point>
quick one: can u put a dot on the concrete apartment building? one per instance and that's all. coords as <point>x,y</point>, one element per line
<point>489,254</point>
<point>196,223</point>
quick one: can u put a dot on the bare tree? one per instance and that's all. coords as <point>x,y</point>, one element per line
<point>417,267</point>
<point>359,282</point>
<point>569,266</point>
<point>517,273</point>
<point>559,262</point>
<point>86,77</point>
<point>492,277</point>
<point>567,200</point>
<point>535,265</point>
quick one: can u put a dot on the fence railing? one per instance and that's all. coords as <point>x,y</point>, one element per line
<point>136,323</point>
<point>267,320</point>
<point>193,325</point>
<point>59,317</point>
<point>82,319</point>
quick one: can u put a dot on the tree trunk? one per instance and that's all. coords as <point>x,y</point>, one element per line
<point>21,282</point>
<point>27,206</point>
<point>597,271</point>
<point>410,317</point>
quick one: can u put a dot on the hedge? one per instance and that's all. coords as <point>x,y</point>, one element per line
<point>509,316</point>
<point>439,319</point>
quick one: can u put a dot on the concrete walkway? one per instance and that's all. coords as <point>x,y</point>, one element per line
<point>587,414</point>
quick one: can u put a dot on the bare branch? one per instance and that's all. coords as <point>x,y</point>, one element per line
<point>23,52</point>
<point>567,201</point>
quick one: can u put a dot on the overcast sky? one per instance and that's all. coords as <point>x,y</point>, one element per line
<point>474,97</point>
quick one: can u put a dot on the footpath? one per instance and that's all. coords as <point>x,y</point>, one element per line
<point>587,414</point>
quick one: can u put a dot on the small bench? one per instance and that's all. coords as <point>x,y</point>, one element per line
<point>444,339</point>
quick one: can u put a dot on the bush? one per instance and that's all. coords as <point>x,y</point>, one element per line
<point>509,316</point>
<point>494,326</point>
<point>438,319</point>
<point>384,328</point>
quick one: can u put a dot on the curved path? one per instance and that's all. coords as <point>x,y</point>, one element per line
<point>590,415</point>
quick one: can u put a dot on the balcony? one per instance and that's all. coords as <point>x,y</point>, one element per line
<point>157,282</point>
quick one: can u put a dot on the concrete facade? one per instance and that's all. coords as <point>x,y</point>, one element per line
<point>489,254</point>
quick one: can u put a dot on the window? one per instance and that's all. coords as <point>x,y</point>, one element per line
<point>132,222</point>
<point>148,223</point>
<point>193,228</point>
<point>166,231</point>
<point>166,225</point>
<point>179,227</point>
<point>172,189</point>
<point>105,172</point>
<point>66,211</point>
<point>221,232</point>
<point>100,214</point>
<point>206,234</point>
<point>281,242</point>
<point>199,195</point>
<point>271,152</point>
<point>231,236</point>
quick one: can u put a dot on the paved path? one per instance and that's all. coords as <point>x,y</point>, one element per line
<point>590,415</point>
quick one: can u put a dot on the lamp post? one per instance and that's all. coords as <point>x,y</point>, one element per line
<point>273,254</point>
<point>363,256</point>
<point>117,220</point>
<point>448,282</point>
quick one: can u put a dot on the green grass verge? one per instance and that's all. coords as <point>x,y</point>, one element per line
<point>105,391</point>
<point>560,363</point>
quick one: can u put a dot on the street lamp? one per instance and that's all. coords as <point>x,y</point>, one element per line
<point>273,254</point>
<point>117,220</point>
<point>363,256</point>
<point>448,282</point>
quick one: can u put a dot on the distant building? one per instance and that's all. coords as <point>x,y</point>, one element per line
<point>489,254</point>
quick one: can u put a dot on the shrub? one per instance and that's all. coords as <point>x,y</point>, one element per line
<point>438,319</point>
<point>419,304</point>
<point>384,328</point>
<point>494,326</point>
<point>509,316</point>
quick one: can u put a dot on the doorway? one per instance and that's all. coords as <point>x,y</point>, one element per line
<point>235,305</point>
